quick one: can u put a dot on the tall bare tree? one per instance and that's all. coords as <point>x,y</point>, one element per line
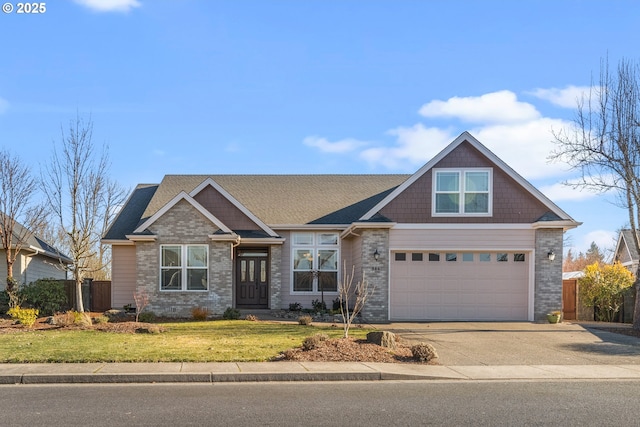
<point>82,198</point>
<point>604,144</point>
<point>20,213</point>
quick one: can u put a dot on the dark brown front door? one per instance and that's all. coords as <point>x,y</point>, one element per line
<point>252,278</point>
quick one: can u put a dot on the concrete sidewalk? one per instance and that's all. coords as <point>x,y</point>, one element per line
<point>84,373</point>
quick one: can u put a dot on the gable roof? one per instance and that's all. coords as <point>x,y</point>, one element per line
<point>38,245</point>
<point>626,237</point>
<point>556,215</point>
<point>283,199</point>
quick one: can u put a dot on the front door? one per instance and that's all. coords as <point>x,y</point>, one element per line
<point>252,278</point>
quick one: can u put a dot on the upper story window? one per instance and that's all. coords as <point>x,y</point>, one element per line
<point>458,192</point>
<point>184,267</point>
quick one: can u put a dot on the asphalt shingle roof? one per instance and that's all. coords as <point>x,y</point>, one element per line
<point>275,199</point>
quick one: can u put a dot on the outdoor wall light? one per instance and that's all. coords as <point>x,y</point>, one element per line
<point>376,255</point>
<point>551,255</point>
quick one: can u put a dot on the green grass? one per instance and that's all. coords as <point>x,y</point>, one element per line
<point>209,341</point>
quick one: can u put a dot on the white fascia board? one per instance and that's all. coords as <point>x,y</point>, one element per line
<point>141,237</point>
<point>235,202</point>
<point>462,226</point>
<point>319,227</point>
<point>182,196</point>
<point>114,242</point>
<point>258,240</point>
<point>484,150</point>
<point>366,225</point>
<point>49,254</point>
<point>564,224</point>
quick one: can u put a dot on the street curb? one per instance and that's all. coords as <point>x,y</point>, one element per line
<point>193,378</point>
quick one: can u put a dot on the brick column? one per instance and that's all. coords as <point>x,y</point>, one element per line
<point>548,274</point>
<point>376,309</point>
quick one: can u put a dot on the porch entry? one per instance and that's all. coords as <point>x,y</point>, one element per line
<point>252,278</point>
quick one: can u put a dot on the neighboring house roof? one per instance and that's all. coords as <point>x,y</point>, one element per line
<point>38,245</point>
<point>625,243</point>
<point>569,275</point>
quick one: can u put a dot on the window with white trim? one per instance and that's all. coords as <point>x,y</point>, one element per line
<point>184,267</point>
<point>462,192</point>
<point>315,258</point>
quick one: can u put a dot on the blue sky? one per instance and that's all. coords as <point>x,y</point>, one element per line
<point>350,86</point>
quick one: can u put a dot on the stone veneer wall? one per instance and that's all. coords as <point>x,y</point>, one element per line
<point>376,309</point>
<point>183,224</point>
<point>275,279</point>
<point>548,274</point>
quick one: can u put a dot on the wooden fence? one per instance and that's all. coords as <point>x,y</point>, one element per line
<point>96,295</point>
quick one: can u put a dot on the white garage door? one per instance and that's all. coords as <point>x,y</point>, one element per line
<point>459,285</point>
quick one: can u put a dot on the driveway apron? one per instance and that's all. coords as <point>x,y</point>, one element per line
<point>521,343</point>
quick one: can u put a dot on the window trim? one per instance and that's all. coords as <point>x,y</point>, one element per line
<point>184,267</point>
<point>462,174</point>
<point>314,248</point>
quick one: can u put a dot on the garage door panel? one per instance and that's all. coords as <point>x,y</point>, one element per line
<point>459,290</point>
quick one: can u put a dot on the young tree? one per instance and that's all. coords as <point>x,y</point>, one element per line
<point>20,213</point>
<point>360,293</point>
<point>81,195</point>
<point>604,143</point>
<point>602,287</point>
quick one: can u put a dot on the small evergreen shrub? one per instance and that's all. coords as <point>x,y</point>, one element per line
<point>25,316</point>
<point>147,317</point>
<point>314,341</point>
<point>423,352</point>
<point>305,320</point>
<point>295,306</point>
<point>336,304</point>
<point>199,313</point>
<point>318,305</point>
<point>47,295</point>
<point>4,302</point>
<point>231,314</point>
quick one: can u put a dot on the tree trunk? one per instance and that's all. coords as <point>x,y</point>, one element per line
<point>79,303</point>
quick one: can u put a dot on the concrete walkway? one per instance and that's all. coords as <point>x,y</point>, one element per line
<point>83,373</point>
<point>467,351</point>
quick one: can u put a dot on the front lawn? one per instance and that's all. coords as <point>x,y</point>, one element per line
<point>208,341</point>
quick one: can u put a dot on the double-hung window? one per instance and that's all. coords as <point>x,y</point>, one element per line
<point>459,192</point>
<point>315,262</point>
<point>184,268</point>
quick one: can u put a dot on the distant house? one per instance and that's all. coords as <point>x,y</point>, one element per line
<point>463,238</point>
<point>36,260</point>
<point>626,252</point>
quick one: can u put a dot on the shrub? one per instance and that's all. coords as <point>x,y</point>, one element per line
<point>231,314</point>
<point>99,320</point>
<point>305,320</point>
<point>251,317</point>
<point>26,316</point>
<point>336,304</point>
<point>4,302</point>
<point>423,352</point>
<point>81,318</point>
<point>318,305</point>
<point>199,313</point>
<point>147,317</point>
<point>295,306</point>
<point>314,341</point>
<point>47,295</point>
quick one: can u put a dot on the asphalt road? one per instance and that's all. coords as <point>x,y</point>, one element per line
<point>557,403</point>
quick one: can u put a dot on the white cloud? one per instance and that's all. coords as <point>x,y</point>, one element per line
<point>605,239</point>
<point>496,107</point>
<point>414,145</point>
<point>567,97</point>
<point>341,146</point>
<point>109,5</point>
<point>560,193</point>
<point>4,105</point>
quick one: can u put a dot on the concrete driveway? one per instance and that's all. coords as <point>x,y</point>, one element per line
<point>521,343</point>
